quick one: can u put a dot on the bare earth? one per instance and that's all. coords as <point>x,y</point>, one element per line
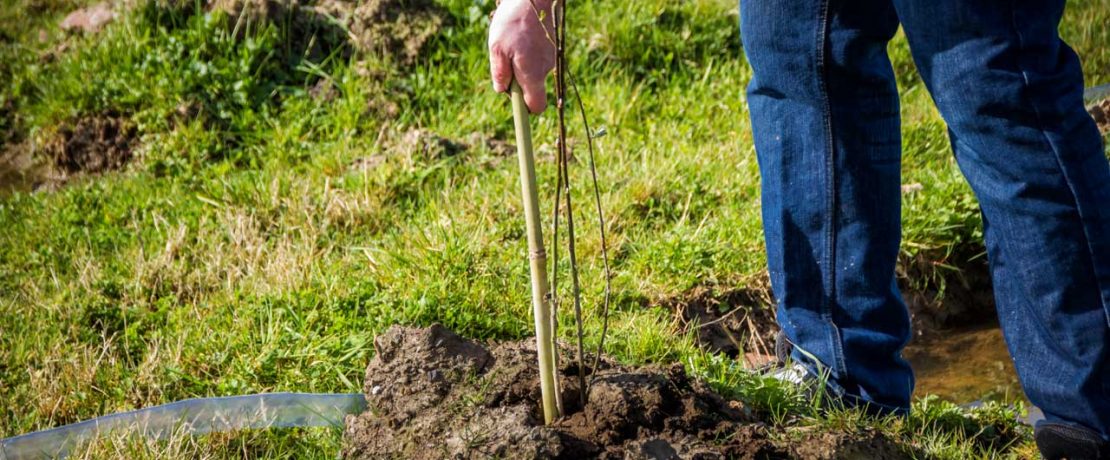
<point>433,394</point>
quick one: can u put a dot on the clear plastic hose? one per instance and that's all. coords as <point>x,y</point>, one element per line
<point>192,417</point>
<point>1096,93</point>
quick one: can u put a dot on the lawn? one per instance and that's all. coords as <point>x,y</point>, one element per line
<point>284,196</point>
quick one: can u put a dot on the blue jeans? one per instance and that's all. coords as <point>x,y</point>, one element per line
<point>825,117</point>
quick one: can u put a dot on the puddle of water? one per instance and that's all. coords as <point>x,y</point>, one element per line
<point>964,365</point>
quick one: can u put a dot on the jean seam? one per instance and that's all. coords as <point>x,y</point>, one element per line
<point>1059,164</point>
<point>829,275</point>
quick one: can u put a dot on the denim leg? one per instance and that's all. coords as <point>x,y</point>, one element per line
<point>824,111</point>
<point>1010,90</point>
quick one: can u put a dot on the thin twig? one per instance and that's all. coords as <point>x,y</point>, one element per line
<point>555,236</point>
<point>600,222</point>
<point>559,13</point>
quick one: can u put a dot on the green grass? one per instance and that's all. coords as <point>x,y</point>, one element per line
<point>240,253</point>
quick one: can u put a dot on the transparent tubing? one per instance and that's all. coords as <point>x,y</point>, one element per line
<point>1096,94</point>
<point>192,417</point>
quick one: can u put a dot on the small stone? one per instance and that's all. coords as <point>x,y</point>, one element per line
<point>89,20</point>
<point>376,390</point>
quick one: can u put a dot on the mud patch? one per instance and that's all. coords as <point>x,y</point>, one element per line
<point>397,30</point>
<point>92,144</point>
<point>1101,113</point>
<point>731,322</point>
<point>427,145</point>
<point>432,394</point>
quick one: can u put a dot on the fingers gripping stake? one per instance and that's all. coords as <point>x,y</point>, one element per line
<point>541,311</point>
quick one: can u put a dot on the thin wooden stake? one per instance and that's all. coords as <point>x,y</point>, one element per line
<point>537,257</point>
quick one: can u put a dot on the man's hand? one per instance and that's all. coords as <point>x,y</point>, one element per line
<point>521,49</point>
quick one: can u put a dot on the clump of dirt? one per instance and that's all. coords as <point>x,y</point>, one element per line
<point>939,298</point>
<point>93,144</point>
<point>430,146</point>
<point>432,394</point>
<point>394,29</point>
<point>729,322</point>
<point>398,28</point>
<point>308,31</point>
<point>1101,113</point>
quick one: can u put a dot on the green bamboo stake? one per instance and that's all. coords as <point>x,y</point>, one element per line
<point>541,311</point>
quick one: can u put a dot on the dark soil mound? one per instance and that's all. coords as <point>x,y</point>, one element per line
<point>394,29</point>
<point>93,144</point>
<point>432,394</point>
<point>731,322</point>
<point>398,28</point>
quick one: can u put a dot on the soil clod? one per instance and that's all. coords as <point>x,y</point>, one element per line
<point>733,322</point>
<point>93,144</point>
<point>427,145</point>
<point>396,30</point>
